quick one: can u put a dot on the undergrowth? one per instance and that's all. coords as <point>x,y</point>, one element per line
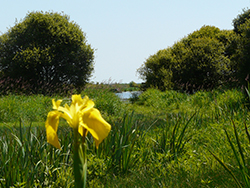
<point>163,139</point>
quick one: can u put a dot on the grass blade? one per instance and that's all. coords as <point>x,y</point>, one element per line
<point>238,143</point>
<point>227,169</point>
<point>179,141</point>
<point>248,135</point>
<point>242,167</point>
<point>234,151</point>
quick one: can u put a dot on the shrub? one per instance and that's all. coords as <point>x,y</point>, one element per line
<point>46,49</point>
<point>198,61</point>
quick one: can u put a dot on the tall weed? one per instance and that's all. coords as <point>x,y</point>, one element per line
<point>107,102</point>
<point>27,160</point>
<point>160,144</point>
<point>173,138</point>
<point>122,145</point>
<point>30,108</point>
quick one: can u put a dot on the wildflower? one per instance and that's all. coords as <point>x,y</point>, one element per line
<point>81,116</point>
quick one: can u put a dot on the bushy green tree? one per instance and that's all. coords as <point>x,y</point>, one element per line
<point>241,19</point>
<point>48,49</point>
<point>198,61</point>
<point>157,70</point>
<point>241,56</point>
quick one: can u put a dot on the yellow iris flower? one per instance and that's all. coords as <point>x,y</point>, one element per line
<point>80,115</point>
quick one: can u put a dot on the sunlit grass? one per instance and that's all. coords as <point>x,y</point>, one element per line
<point>163,139</point>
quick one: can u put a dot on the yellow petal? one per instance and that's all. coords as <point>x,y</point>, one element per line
<point>77,99</point>
<point>96,125</point>
<point>51,126</point>
<point>82,104</point>
<point>88,105</point>
<point>82,131</point>
<point>67,114</point>
<point>56,104</point>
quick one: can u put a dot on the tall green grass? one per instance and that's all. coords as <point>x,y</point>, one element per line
<point>163,139</point>
<point>28,161</point>
<point>29,108</point>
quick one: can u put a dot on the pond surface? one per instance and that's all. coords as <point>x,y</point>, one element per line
<point>128,94</point>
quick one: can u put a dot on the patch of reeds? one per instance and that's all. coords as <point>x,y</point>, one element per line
<point>161,140</point>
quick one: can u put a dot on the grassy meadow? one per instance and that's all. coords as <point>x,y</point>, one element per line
<point>160,139</point>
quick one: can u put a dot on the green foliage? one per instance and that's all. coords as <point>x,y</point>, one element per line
<point>241,19</point>
<point>162,140</point>
<point>173,138</point>
<point>46,49</point>
<point>123,144</point>
<point>107,102</point>
<point>26,159</point>
<point>240,157</point>
<point>240,54</point>
<point>159,101</point>
<point>132,84</point>
<point>198,61</point>
<point>29,108</point>
<point>157,70</point>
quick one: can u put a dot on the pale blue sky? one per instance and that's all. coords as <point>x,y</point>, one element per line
<point>125,33</point>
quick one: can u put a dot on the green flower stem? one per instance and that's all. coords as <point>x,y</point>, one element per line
<point>80,160</point>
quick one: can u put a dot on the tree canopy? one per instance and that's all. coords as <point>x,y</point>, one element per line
<point>241,19</point>
<point>241,55</point>
<point>48,49</point>
<point>197,61</point>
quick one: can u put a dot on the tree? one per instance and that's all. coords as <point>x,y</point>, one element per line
<point>241,56</point>
<point>197,61</point>
<point>157,70</point>
<point>241,19</point>
<point>48,49</point>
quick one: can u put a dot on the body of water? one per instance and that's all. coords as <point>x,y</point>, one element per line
<point>128,94</point>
